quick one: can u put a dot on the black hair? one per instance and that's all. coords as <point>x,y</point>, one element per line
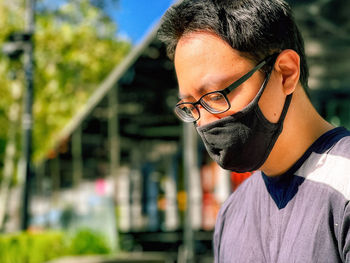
<point>256,28</point>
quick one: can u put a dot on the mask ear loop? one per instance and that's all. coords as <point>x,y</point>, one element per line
<point>286,103</point>
<point>273,58</point>
<point>285,108</point>
<point>268,60</point>
<point>258,95</point>
<point>288,98</point>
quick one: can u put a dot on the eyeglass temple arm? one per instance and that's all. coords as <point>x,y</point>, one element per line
<point>243,78</point>
<point>250,73</point>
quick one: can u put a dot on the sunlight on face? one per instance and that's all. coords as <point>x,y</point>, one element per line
<point>205,63</point>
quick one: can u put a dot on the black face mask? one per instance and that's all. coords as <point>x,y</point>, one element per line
<point>243,141</point>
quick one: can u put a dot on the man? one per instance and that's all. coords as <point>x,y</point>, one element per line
<point>242,77</point>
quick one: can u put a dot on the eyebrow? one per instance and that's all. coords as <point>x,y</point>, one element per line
<point>200,90</point>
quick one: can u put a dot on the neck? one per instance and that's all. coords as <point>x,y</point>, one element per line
<point>302,126</point>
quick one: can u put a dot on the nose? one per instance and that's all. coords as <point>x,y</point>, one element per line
<point>205,116</point>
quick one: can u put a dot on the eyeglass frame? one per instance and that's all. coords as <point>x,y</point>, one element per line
<point>226,90</point>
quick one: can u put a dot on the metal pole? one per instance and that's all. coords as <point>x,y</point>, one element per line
<point>190,167</point>
<point>113,132</point>
<point>27,114</point>
<point>77,157</point>
<point>114,150</point>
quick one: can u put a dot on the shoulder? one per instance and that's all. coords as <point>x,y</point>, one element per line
<point>331,168</point>
<point>341,148</point>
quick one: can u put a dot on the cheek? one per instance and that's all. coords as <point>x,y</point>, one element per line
<point>245,93</point>
<point>242,96</point>
<point>272,101</point>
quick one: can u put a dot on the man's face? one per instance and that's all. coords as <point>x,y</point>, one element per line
<point>205,63</point>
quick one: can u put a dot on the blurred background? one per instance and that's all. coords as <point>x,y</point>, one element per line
<point>92,158</point>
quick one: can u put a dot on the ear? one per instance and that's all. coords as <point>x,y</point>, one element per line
<point>288,66</point>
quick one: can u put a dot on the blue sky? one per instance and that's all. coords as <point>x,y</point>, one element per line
<point>133,17</point>
<point>136,17</point>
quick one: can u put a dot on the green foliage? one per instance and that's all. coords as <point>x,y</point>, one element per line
<point>75,49</point>
<point>42,247</point>
<point>88,242</point>
<point>31,248</point>
<point>80,44</point>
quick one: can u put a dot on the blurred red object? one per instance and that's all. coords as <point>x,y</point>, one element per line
<point>210,209</point>
<point>238,178</point>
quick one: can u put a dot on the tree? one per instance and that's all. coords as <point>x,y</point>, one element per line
<point>75,48</point>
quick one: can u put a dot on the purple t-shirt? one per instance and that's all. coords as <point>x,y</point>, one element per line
<point>301,216</point>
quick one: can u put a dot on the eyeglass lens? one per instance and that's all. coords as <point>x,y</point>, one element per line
<point>214,102</point>
<point>187,112</point>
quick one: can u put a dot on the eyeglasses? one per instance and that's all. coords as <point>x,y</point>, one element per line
<point>215,102</point>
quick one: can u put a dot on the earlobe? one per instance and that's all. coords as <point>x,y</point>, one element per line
<point>288,65</point>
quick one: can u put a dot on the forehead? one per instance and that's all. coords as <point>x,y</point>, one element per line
<point>205,46</point>
<point>203,61</point>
